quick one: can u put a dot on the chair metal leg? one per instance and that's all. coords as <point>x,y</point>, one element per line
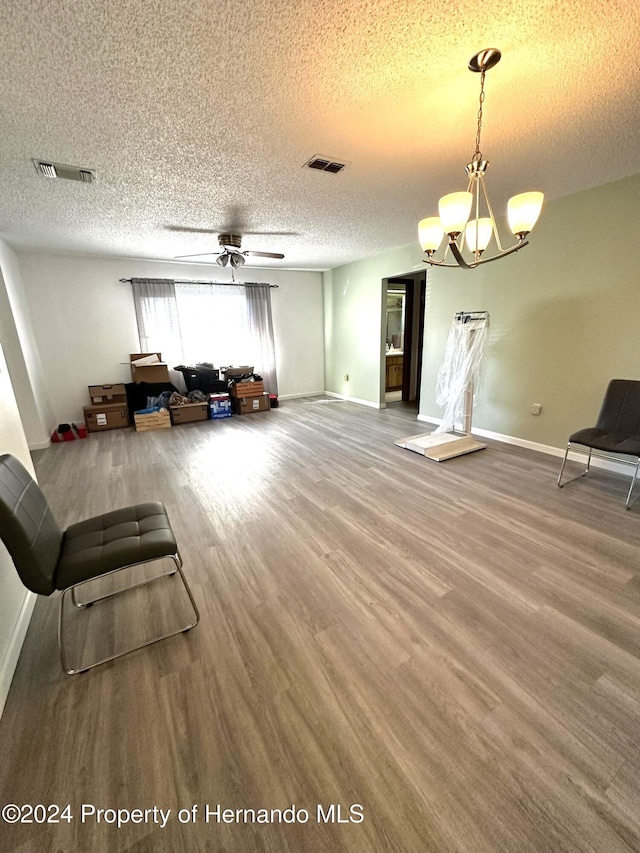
<point>82,604</point>
<point>629,503</point>
<point>564,462</point>
<point>177,560</point>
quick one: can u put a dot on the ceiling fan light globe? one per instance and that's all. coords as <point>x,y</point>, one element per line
<point>223,259</point>
<point>236,260</point>
<point>454,212</point>
<point>523,211</point>
<point>430,233</point>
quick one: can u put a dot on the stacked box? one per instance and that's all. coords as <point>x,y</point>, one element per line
<point>247,405</point>
<point>108,416</point>
<point>146,421</point>
<point>108,409</point>
<point>247,389</point>
<point>107,394</point>
<point>219,406</point>
<point>156,371</point>
<point>244,370</point>
<point>189,412</point>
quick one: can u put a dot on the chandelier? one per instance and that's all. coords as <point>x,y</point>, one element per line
<point>456,208</point>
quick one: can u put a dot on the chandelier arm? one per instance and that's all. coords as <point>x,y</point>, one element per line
<point>440,264</point>
<point>457,254</point>
<point>496,233</point>
<point>464,265</point>
<point>502,254</point>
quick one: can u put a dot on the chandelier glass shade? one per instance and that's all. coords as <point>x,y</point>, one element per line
<point>474,235</point>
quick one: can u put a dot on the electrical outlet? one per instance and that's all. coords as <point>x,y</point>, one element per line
<point>536,408</point>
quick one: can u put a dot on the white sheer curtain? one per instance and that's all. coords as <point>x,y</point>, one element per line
<point>214,324</point>
<point>258,298</point>
<point>158,322</point>
<point>157,316</point>
<point>222,324</point>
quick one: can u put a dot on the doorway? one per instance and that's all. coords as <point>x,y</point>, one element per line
<point>403,333</point>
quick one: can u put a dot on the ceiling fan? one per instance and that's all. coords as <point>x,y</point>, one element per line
<point>231,253</point>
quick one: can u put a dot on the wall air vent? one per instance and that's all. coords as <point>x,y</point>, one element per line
<point>325,164</point>
<point>69,173</point>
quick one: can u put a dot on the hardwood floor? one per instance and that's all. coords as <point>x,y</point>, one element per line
<point>453,647</point>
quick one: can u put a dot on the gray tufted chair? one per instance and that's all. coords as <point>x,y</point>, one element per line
<point>48,558</point>
<point>616,434</point>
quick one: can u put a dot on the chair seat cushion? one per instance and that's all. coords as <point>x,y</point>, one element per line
<point>112,541</point>
<point>610,442</point>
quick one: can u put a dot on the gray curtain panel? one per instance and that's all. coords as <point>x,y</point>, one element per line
<point>261,333</point>
<point>158,323</point>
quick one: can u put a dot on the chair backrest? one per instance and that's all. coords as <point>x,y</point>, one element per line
<point>27,527</point>
<point>620,410</point>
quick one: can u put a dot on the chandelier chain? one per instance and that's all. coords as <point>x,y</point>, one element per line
<point>478,154</point>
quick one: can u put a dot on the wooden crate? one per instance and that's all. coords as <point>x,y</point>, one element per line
<point>247,389</point>
<point>152,420</point>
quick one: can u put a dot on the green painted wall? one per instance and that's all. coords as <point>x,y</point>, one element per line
<point>564,317</point>
<point>354,311</point>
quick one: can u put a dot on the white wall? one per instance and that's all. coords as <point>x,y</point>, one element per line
<point>16,603</point>
<point>84,321</point>
<point>21,352</point>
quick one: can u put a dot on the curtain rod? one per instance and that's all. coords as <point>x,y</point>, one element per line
<point>200,281</point>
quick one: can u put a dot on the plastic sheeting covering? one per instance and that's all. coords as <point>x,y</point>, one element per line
<point>461,365</point>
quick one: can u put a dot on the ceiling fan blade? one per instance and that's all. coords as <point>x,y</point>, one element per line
<point>264,255</point>
<point>185,229</point>
<point>200,255</point>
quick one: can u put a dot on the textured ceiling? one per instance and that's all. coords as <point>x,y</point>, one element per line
<point>200,115</point>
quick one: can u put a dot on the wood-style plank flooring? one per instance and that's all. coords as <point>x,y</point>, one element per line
<point>453,647</point>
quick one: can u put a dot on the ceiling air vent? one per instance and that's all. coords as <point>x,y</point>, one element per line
<point>69,173</point>
<point>325,164</point>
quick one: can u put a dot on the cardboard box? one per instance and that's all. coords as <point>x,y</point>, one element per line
<point>153,371</point>
<point>106,416</point>
<point>107,394</point>
<point>230,372</point>
<point>152,420</point>
<point>189,412</point>
<point>247,405</point>
<point>219,406</point>
<point>247,389</point>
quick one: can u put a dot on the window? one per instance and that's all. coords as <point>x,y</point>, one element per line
<point>213,324</point>
<point>222,324</point>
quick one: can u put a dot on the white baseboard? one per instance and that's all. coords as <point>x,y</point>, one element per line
<point>348,399</point>
<point>15,647</point>
<point>298,396</point>
<point>596,462</point>
<point>40,445</point>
